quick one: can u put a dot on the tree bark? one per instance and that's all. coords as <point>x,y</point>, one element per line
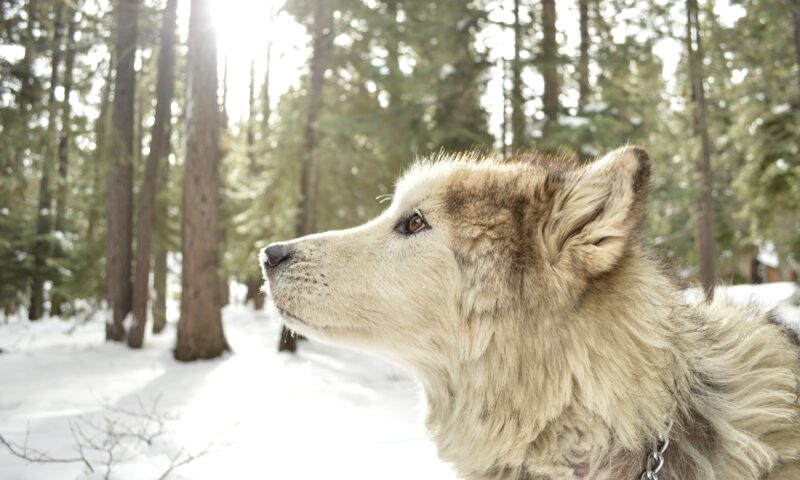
<point>120,176</point>
<point>159,304</point>
<point>159,146</point>
<point>309,176</point>
<point>250,133</point>
<point>200,333</point>
<point>703,173</point>
<point>583,59</point>
<point>42,246</point>
<point>160,271</point>
<point>505,123</point>
<point>322,41</point>
<point>518,138</point>
<point>267,106</point>
<point>101,133</point>
<point>26,94</point>
<point>549,61</point>
<point>57,299</point>
<point>254,293</point>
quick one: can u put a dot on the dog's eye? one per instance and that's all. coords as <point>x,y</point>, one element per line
<point>413,224</point>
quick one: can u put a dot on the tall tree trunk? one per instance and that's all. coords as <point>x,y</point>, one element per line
<point>26,94</point>
<point>505,122</point>
<point>267,106</point>
<point>200,333</point>
<point>42,245</point>
<point>101,133</point>
<point>224,101</point>
<point>309,177</point>
<point>703,174</point>
<point>253,282</point>
<point>57,299</point>
<point>583,60</point>
<point>159,304</point>
<point>120,176</point>
<point>250,133</point>
<point>549,61</point>
<point>159,146</point>
<point>518,138</point>
<point>160,272</point>
<point>322,41</point>
<point>254,293</point>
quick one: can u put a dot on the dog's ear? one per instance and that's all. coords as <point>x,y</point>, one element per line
<point>598,210</point>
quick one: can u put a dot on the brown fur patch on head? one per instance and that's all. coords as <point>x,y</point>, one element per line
<point>543,220</point>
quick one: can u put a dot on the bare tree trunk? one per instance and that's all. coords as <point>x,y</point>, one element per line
<point>583,60</point>
<point>57,299</point>
<point>267,106</point>
<point>200,333</point>
<point>159,146</point>
<point>120,176</point>
<point>322,38</point>
<point>309,177</point>
<point>159,304</point>
<point>705,182</point>
<point>101,134</point>
<point>549,61</point>
<point>26,95</point>
<point>518,138</point>
<point>160,271</point>
<point>504,124</point>
<point>254,293</point>
<point>42,245</point>
<point>224,101</point>
<point>250,133</point>
<point>795,6</point>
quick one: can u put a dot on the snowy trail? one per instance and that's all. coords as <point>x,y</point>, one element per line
<point>325,413</point>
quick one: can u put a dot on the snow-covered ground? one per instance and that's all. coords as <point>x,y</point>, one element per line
<point>323,413</point>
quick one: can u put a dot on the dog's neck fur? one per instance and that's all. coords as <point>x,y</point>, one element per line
<point>560,406</point>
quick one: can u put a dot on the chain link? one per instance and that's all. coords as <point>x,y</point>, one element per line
<point>655,459</point>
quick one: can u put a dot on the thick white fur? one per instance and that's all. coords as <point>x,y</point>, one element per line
<point>563,367</point>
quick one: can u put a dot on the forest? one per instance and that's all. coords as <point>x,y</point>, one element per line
<point>123,166</point>
<point>150,148</point>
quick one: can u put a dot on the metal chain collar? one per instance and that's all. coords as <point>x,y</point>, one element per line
<point>655,459</point>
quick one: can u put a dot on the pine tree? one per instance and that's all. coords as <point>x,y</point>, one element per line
<point>200,333</point>
<point>518,121</point>
<point>42,246</point>
<point>549,63</point>
<point>583,59</point>
<point>705,201</point>
<point>159,145</point>
<point>57,295</point>
<point>120,177</point>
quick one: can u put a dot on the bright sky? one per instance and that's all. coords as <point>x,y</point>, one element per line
<point>244,29</point>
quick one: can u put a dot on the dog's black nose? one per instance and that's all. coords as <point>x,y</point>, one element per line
<point>277,253</point>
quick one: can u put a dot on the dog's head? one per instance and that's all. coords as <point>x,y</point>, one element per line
<point>464,243</point>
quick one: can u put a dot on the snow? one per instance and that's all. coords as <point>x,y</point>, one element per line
<point>598,107</point>
<point>573,122</point>
<point>325,412</point>
<point>768,255</point>
<point>781,109</point>
<point>446,70</point>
